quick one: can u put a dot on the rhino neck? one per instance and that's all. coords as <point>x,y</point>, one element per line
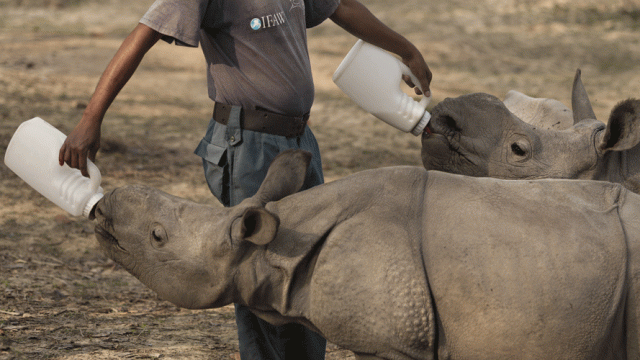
<point>622,168</point>
<point>630,169</point>
<point>310,218</point>
<point>279,275</point>
<point>273,280</point>
<point>258,284</point>
<point>307,220</point>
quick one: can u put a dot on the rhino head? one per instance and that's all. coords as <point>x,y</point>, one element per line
<point>478,135</point>
<point>194,255</point>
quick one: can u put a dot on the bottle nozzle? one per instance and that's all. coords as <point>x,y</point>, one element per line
<point>419,128</point>
<point>91,204</point>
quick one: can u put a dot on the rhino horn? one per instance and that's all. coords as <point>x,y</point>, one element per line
<point>285,176</point>
<point>580,100</point>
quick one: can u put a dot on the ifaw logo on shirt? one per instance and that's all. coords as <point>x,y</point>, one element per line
<point>277,19</point>
<point>267,21</point>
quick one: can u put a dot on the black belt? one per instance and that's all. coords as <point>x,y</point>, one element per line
<point>263,121</point>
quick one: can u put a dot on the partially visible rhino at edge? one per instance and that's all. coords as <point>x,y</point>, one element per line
<point>402,263</point>
<point>479,135</point>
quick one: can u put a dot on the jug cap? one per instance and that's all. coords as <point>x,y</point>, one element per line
<point>419,128</point>
<point>91,203</point>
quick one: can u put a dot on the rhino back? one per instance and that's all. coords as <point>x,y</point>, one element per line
<point>629,210</point>
<point>365,286</point>
<point>531,269</point>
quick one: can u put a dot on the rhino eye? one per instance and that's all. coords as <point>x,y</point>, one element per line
<point>158,236</point>
<point>517,150</point>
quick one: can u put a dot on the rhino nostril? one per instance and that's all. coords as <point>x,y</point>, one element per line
<point>98,212</point>
<point>451,123</point>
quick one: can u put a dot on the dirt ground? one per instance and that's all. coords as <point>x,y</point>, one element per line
<point>60,298</point>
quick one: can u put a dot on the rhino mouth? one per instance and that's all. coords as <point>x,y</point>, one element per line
<point>106,239</point>
<point>428,130</point>
<point>441,128</point>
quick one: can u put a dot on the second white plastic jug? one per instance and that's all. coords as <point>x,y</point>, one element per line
<point>371,77</point>
<point>33,155</point>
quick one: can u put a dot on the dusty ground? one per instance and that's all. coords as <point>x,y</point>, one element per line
<point>60,298</point>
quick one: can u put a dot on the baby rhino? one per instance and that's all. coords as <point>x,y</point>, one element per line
<point>401,263</point>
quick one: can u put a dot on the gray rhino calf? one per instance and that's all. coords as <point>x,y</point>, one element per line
<point>400,262</point>
<point>479,135</point>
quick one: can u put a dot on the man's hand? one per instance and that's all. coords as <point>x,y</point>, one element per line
<point>356,19</point>
<point>421,71</point>
<point>83,142</point>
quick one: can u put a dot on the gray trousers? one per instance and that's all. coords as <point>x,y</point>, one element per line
<point>235,163</point>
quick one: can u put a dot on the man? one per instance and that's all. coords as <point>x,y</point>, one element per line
<point>259,76</point>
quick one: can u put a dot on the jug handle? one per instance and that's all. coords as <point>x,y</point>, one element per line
<point>94,175</point>
<point>405,71</point>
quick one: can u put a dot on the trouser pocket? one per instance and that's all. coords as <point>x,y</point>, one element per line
<point>216,167</point>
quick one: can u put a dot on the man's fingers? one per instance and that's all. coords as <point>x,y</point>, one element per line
<point>82,165</point>
<point>426,93</point>
<point>427,84</point>
<point>409,82</point>
<point>62,154</point>
<point>407,79</point>
<point>75,159</point>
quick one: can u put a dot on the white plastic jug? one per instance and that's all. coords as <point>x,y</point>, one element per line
<point>33,155</point>
<point>371,77</point>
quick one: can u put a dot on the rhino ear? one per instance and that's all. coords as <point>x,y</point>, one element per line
<point>623,129</point>
<point>285,176</point>
<point>256,225</point>
<point>580,102</point>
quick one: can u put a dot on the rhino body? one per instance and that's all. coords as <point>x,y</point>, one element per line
<point>401,263</point>
<point>526,138</point>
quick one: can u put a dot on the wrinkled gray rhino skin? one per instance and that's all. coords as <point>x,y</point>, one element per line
<point>401,263</point>
<point>478,135</point>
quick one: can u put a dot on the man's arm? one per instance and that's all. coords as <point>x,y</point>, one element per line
<point>84,140</point>
<point>356,19</point>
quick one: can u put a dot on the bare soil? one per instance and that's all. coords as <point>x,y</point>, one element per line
<point>60,298</point>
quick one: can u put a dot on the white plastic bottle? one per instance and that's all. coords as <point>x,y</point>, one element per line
<point>371,77</point>
<point>33,155</point>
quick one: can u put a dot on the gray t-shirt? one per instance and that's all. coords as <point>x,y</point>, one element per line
<point>256,50</point>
